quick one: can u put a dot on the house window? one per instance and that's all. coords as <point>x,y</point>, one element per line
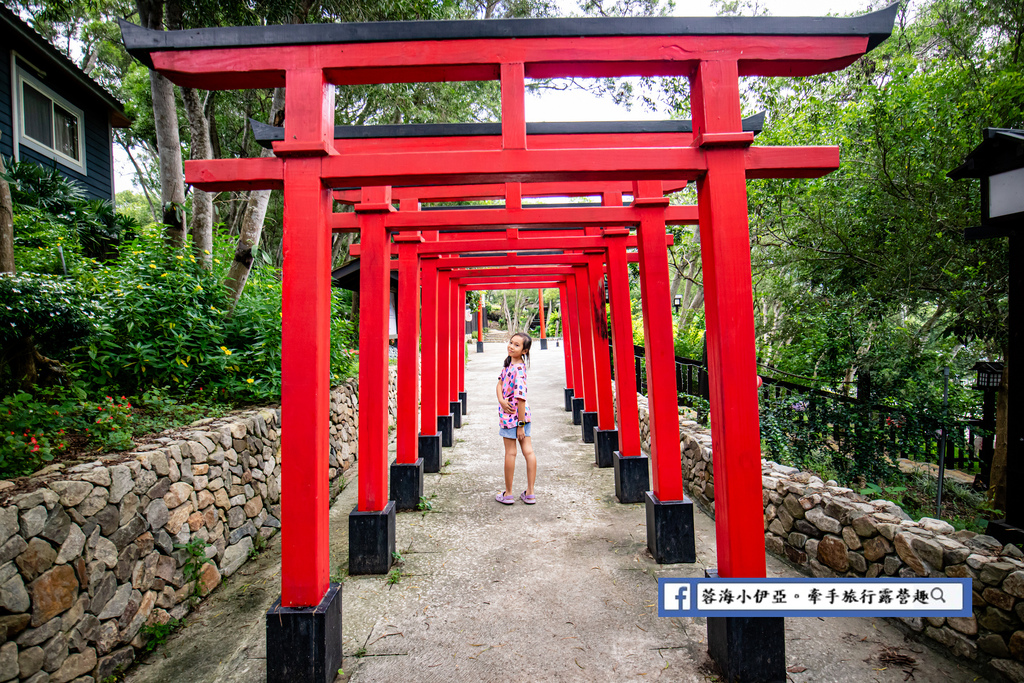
<point>50,124</point>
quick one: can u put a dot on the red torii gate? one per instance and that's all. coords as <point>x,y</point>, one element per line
<point>604,434</point>
<point>311,60</point>
<point>629,488</point>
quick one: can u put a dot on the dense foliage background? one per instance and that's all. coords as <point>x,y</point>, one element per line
<point>128,334</point>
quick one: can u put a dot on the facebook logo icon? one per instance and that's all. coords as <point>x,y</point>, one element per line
<point>675,597</point>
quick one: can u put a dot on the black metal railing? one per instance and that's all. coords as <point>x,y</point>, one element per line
<point>799,419</point>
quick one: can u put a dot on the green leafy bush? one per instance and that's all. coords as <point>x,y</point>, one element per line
<point>136,335</point>
<point>62,215</point>
<point>49,312</point>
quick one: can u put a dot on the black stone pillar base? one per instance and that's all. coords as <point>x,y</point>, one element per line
<point>1005,532</point>
<point>464,398</point>
<point>605,443</point>
<point>670,530</point>
<point>543,344</point>
<point>568,399</point>
<point>371,540</point>
<point>446,425</point>
<point>479,347</point>
<point>577,411</point>
<point>304,643</point>
<point>407,484</point>
<point>589,422</point>
<point>430,452</point>
<point>632,477</point>
<point>748,648</point>
<point>455,407</point>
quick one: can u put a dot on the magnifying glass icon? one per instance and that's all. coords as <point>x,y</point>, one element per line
<point>937,594</point>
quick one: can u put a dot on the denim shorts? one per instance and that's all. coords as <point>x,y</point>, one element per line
<point>510,432</point>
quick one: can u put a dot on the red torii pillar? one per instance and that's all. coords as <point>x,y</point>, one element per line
<point>407,469</point>
<point>445,420</point>
<point>632,478</point>
<point>601,430</point>
<point>456,344</point>
<point>582,352</point>
<point>570,377</point>
<point>463,398</point>
<point>431,432</point>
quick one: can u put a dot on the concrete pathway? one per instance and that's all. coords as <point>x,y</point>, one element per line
<point>560,591</point>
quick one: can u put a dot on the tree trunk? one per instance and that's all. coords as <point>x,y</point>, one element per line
<point>165,121</point>
<point>252,222</point>
<point>29,367</point>
<point>201,225</point>
<point>211,123</point>
<point>997,478</point>
<point>6,225</point>
<point>141,176</point>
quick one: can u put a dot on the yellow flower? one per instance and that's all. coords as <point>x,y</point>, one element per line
<point>152,266</point>
<point>180,258</point>
<point>163,274</point>
<point>226,350</point>
<point>249,381</point>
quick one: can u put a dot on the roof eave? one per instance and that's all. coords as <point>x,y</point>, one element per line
<point>141,42</point>
<point>118,117</point>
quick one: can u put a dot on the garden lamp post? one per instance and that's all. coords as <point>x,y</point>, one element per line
<point>999,163</point>
<point>989,377</point>
<point>677,302</point>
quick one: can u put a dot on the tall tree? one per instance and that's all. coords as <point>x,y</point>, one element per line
<point>201,224</point>
<point>6,224</point>
<point>252,221</point>
<point>165,119</point>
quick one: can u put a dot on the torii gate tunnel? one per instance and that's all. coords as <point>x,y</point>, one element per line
<point>303,631</point>
<point>598,422</point>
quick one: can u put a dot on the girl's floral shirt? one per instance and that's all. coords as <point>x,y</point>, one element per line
<point>513,388</point>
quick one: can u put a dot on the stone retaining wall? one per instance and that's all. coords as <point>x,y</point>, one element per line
<point>90,555</point>
<point>830,531</point>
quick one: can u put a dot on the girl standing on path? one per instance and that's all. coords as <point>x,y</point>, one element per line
<point>514,417</point>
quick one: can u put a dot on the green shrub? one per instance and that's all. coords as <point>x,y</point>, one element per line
<point>48,206</point>
<point>46,312</point>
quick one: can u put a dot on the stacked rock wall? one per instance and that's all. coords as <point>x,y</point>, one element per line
<point>830,531</point>
<point>92,554</point>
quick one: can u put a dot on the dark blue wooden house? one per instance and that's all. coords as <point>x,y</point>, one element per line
<point>52,113</point>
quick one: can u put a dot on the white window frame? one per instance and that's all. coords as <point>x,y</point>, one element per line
<point>21,77</point>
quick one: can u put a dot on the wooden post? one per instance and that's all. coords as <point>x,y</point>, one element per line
<point>728,304</point>
<point>305,385</point>
<point>659,346</point>
<point>408,342</point>
<point>462,348</point>
<point>375,295</point>
<point>428,390</point>
<point>622,344</point>
<point>602,361</point>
